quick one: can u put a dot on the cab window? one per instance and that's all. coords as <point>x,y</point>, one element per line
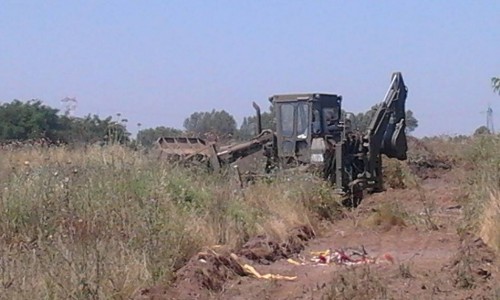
<point>302,120</point>
<point>286,114</point>
<point>331,116</point>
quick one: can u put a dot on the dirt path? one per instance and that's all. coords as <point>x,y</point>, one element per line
<point>419,250</point>
<point>417,227</point>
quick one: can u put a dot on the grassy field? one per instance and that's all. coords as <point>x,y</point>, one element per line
<point>482,201</point>
<point>102,222</point>
<point>478,157</point>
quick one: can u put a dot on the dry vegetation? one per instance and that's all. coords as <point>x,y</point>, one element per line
<point>482,201</point>
<point>105,222</point>
<point>473,265</point>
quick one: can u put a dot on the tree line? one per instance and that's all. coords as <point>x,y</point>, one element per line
<point>31,120</point>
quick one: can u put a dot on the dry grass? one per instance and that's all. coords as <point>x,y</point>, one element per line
<point>482,203</point>
<point>357,283</point>
<point>480,158</point>
<point>385,217</point>
<point>397,174</point>
<point>451,148</point>
<point>103,222</point>
<point>490,223</point>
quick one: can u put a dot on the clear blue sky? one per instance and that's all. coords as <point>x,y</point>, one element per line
<point>156,62</point>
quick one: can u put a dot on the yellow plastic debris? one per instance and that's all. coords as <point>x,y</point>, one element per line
<point>278,277</point>
<point>251,271</point>
<point>293,262</point>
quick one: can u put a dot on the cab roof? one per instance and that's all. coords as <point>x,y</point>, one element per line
<point>302,97</point>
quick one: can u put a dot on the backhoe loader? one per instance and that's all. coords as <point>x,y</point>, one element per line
<point>312,131</point>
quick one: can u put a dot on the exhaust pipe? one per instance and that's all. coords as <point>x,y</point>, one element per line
<point>259,118</point>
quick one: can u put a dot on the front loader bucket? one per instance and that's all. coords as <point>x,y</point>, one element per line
<point>188,149</point>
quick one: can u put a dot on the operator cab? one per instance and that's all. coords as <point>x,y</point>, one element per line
<point>302,118</point>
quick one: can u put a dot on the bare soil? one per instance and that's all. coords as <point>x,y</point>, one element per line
<point>432,258</point>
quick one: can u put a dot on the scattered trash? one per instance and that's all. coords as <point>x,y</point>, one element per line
<point>349,257</point>
<point>210,269</point>
<point>346,257</point>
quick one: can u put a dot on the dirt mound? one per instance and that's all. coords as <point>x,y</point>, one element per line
<point>431,167</point>
<point>473,265</point>
<point>210,270</point>
<point>264,250</point>
<point>424,163</point>
<point>205,273</point>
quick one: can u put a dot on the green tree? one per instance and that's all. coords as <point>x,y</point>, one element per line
<point>482,130</point>
<point>147,137</point>
<point>219,123</point>
<point>411,121</point>
<point>248,127</point>
<point>495,83</point>
<point>33,120</point>
<point>92,129</point>
<point>29,120</point>
<point>361,121</point>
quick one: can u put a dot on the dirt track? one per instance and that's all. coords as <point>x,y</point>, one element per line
<point>431,261</point>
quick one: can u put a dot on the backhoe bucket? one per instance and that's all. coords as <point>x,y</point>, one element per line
<point>394,143</point>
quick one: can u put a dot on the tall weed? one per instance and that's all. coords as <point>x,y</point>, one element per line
<point>103,222</point>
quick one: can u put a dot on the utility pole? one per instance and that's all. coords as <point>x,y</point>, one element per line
<point>489,120</point>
